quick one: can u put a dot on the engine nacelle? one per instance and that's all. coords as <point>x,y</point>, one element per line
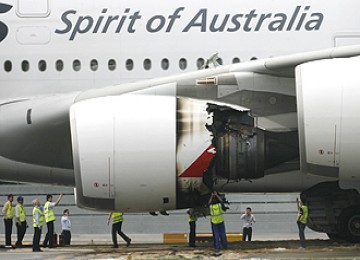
<point>124,152</point>
<point>329,126</point>
<point>141,152</point>
<point>147,152</point>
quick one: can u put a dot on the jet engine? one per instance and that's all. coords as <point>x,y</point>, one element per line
<point>147,153</point>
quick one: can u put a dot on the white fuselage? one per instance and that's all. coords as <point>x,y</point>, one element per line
<point>126,41</point>
<point>54,47</point>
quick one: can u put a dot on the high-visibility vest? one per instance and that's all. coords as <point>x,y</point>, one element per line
<point>22,212</point>
<point>10,212</point>
<point>216,213</point>
<point>303,217</point>
<point>48,212</point>
<point>41,217</point>
<point>117,217</point>
<point>192,218</point>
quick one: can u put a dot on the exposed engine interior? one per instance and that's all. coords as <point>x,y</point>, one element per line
<point>243,152</point>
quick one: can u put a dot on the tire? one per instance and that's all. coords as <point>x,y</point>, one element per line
<point>349,224</point>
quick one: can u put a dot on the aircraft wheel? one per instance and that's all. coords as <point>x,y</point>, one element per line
<point>349,224</point>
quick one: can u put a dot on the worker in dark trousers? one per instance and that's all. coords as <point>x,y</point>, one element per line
<point>217,209</point>
<point>38,223</point>
<point>9,212</point>
<point>20,218</point>
<point>302,220</point>
<point>50,219</point>
<point>117,220</point>
<point>192,222</point>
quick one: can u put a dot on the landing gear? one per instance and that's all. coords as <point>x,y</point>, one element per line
<point>334,211</point>
<point>349,224</point>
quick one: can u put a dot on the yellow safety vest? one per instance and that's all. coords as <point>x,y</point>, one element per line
<point>22,212</point>
<point>216,213</point>
<point>117,217</point>
<point>48,212</point>
<point>303,217</point>
<point>10,212</point>
<point>192,218</point>
<point>41,217</point>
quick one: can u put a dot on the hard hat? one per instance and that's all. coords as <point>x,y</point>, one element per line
<point>20,198</point>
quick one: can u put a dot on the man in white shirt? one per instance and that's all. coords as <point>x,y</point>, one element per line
<point>66,227</point>
<point>248,219</point>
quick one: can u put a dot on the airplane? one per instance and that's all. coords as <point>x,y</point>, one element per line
<point>150,106</point>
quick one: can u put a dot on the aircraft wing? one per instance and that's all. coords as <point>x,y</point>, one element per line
<point>283,66</point>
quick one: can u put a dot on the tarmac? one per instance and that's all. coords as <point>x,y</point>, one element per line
<point>280,249</point>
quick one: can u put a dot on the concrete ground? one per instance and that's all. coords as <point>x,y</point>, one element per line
<point>288,249</point>
<point>105,239</point>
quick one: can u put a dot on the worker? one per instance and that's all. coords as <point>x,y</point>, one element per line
<point>50,218</point>
<point>302,220</point>
<point>66,227</point>
<point>20,218</point>
<point>117,219</point>
<point>217,209</point>
<point>38,223</point>
<point>192,222</point>
<point>248,219</point>
<point>9,212</point>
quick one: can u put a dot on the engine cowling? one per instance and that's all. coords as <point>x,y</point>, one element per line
<point>329,126</point>
<point>148,152</point>
<point>152,153</point>
<point>124,152</point>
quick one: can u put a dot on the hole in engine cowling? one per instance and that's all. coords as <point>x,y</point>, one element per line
<point>232,148</point>
<point>244,151</point>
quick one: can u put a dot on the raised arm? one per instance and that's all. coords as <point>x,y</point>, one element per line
<point>210,199</point>
<point>58,200</point>
<point>108,221</point>
<point>218,196</point>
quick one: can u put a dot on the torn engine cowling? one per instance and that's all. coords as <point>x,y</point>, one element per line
<point>169,150</point>
<point>244,151</point>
